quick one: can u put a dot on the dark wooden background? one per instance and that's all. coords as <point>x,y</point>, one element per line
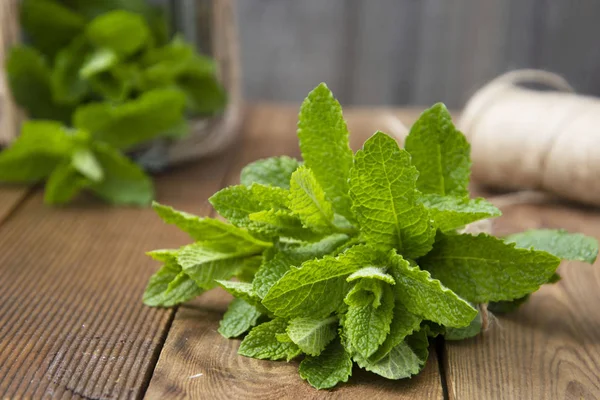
<point>412,51</point>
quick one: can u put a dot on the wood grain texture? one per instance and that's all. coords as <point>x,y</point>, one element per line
<point>10,198</point>
<point>72,323</point>
<point>197,362</point>
<point>550,348</point>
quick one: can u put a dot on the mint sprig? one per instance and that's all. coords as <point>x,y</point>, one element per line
<point>358,257</point>
<point>106,72</point>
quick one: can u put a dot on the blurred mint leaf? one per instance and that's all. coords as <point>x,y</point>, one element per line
<point>124,183</point>
<point>440,153</point>
<point>29,80</point>
<point>85,162</point>
<point>562,244</point>
<point>324,144</point>
<point>68,87</point>
<point>134,122</point>
<point>384,199</point>
<point>450,213</point>
<point>121,31</point>
<point>239,318</point>
<point>49,25</point>
<point>262,342</point>
<point>274,171</point>
<point>329,368</point>
<point>483,268</point>
<point>64,183</point>
<point>99,61</point>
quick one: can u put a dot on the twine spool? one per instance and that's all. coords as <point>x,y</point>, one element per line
<point>527,139</point>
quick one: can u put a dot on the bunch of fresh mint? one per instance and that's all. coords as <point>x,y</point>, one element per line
<point>99,79</point>
<point>359,258</point>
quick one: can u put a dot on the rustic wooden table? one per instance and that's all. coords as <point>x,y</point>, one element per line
<point>72,324</point>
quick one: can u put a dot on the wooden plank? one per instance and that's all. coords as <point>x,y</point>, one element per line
<point>550,348</point>
<point>72,323</point>
<point>10,197</point>
<point>197,362</point>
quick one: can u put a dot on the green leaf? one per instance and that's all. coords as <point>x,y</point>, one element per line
<point>68,87</point>
<point>262,342</point>
<point>205,95</point>
<point>450,213</point>
<point>64,183</point>
<point>236,203</point>
<point>324,144</point>
<point>211,233</point>
<point>483,268</point>
<point>312,335</point>
<point>206,265</point>
<point>307,200</point>
<point>464,333</point>
<point>124,182</point>
<point>84,161</point>
<point>331,367</point>
<point>242,290</point>
<point>118,83</point>
<point>274,171</point>
<point>170,285</point>
<point>403,324</point>
<point>562,244</point>
<point>99,61</point>
<point>137,121</point>
<point>49,25</point>
<point>318,287</point>
<point>427,297</point>
<point>382,187</point>
<point>504,307</point>
<point>440,152</point>
<point>29,79</point>
<point>281,223</point>
<point>403,361</point>
<point>40,148</point>
<point>365,292</point>
<point>239,318</point>
<point>367,326</point>
<point>283,257</point>
<point>122,31</point>
<point>372,273</point>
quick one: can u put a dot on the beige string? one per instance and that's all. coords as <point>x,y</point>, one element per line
<point>527,139</point>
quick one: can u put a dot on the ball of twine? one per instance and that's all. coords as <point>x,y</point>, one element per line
<point>529,139</point>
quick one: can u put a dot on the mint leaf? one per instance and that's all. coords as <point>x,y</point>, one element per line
<point>450,213</point>
<point>324,144</point>
<point>372,273</point>
<point>483,268</point>
<point>282,257</point>
<point>274,171</point>
<point>366,326</point>
<point>382,187</point>
<point>134,122</point>
<point>68,87</point>
<point>318,287</point>
<point>504,307</point>
<point>403,361</point>
<point>427,297</point>
<point>312,335</point>
<point>205,265</point>
<point>170,285</point>
<point>403,324</point>
<point>121,31</point>
<point>262,342</point>
<point>85,162</point>
<point>279,223</point>
<point>118,83</point>
<point>239,317</point>
<point>307,200</point>
<point>29,80</point>
<point>49,25</point>
<point>464,333</point>
<point>205,95</point>
<point>211,233</point>
<point>124,181</point>
<point>64,183</point>
<point>99,61</point>
<point>242,290</point>
<point>236,203</point>
<point>440,152</point>
<point>562,244</point>
<point>328,369</point>
<point>40,148</point>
